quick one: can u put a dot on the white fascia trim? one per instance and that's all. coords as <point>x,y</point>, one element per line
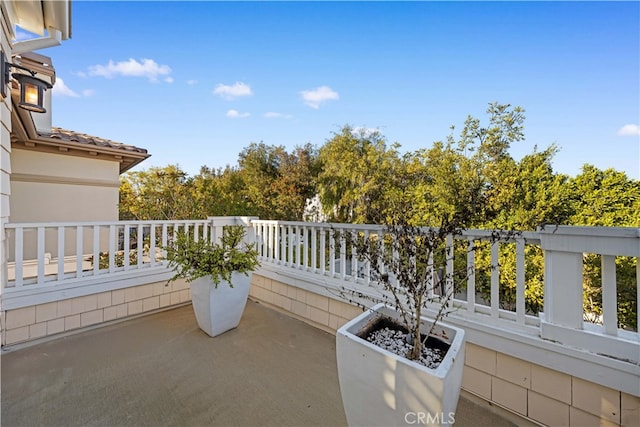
<point>54,39</point>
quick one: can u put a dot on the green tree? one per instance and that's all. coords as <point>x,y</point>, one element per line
<point>607,198</point>
<point>278,183</point>
<point>157,193</point>
<point>356,169</point>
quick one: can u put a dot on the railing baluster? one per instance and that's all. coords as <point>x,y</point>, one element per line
<point>127,244</point>
<point>354,259</point>
<point>41,246</point>
<point>609,295</point>
<point>449,283</point>
<point>61,230</point>
<point>432,286</point>
<point>79,250</point>
<point>471,278</point>
<point>281,244</point>
<point>495,280</point>
<point>152,244</point>
<point>367,265</point>
<point>290,248</point>
<point>112,247</point>
<point>19,252</point>
<point>332,254</point>
<point>520,281</point>
<point>343,256</point>
<point>165,238</point>
<point>322,248</point>
<point>274,242</point>
<point>314,250</point>
<point>305,247</point>
<point>140,244</point>
<point>96,249</point>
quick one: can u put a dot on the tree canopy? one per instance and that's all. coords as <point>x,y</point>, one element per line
<point>359,177</point>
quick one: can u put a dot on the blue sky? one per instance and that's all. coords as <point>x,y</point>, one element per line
<point>196,82</point>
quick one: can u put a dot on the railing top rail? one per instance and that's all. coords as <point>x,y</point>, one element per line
<point>101,223</point>
<point>532,236</point>
<point>590,231</point>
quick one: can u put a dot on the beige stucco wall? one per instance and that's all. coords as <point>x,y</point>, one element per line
<point>48,187</point>
<point>520,387</point>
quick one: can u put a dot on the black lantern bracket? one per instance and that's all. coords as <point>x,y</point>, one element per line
<point>31,88</point>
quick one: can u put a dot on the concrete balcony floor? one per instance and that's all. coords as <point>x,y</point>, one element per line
<point>161,370</point>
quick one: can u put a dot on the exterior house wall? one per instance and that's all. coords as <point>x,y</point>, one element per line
<point>50,187</point>
<point>5,153</point>
<point>522,388</point>
<point>47,187</point>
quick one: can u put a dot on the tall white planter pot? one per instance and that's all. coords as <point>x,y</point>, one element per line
<point>380,388</point>
<point>220,308</point>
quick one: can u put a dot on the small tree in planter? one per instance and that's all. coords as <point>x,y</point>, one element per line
<point>401,261</point>
<point>450,186</point>
<point>205,265</point>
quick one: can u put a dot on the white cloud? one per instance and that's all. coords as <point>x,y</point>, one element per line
<point>274,115</point>
<point>314,97</point>
<point>235,114</point>
<point>168,79</point>
<point>61,89</point>
<point>192,82</point>
<point>629,130</point>
<point>232,91</point>
<point>146,68</point>
<point>88,92</point>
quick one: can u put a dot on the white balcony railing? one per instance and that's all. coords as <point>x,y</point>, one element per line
<point>55,253</point>
<point>315,250</point>
<point>53,261</point>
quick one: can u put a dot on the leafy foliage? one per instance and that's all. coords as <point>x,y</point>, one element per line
<point>191,259</point>
<point>360,178</point>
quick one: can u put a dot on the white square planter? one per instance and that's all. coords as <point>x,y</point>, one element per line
<point>220,308</point>
<point>380,388</point>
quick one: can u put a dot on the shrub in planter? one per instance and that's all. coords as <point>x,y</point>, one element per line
<point>206,265</point>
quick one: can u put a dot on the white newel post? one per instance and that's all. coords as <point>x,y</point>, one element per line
<point>219,222</point>
<point>562,287</point>
<point>562,320</point>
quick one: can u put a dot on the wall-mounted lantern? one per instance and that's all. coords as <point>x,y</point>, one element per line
<point>31,88</point>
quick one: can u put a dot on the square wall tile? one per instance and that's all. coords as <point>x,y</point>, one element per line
<point>45,312</point>
<point>21,317</point>
<point>630,415</point>
<point>38,330</point>
<point>580,418</point>
<point>547,411</point>
<point>603,402</point>
<point>476,382</point>
<point>72,322</point>
<point>481,358</point>
<point>516,371</point>
<point>509,395</point>
<point>55,326</point>
<point>550,383</point>
<point>16,335</point>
